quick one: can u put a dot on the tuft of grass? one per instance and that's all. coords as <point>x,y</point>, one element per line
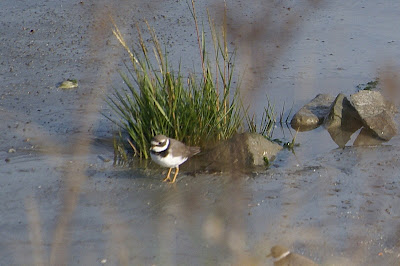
<point>289,145</point>
<point>283,120</point>
<point>267,125</point>
<point>371,85</point>
<point>266,161</point>
<point>268,121</point>
<point>159,100</point>
<point>120,154</point>
<point>292,144</point>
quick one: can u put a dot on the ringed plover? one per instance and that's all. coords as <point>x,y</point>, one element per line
<point>282,256</point>
<point>170,153</point>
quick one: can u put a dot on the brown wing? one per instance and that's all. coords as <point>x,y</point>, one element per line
<point>194,150</point>
<point>298,260</point>
<point>185,150</point>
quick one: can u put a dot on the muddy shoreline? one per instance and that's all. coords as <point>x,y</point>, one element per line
<point>64,201</point>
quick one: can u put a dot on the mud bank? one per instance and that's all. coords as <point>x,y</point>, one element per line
<point>64,201</point>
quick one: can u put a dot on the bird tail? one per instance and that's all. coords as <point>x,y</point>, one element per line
<point>194,150</point>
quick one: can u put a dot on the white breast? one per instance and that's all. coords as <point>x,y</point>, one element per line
<point>168,161</point>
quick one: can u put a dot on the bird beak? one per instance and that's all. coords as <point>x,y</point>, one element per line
<point>269,255</point>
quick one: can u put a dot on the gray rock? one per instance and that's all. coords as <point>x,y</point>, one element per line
<point>312,115</point>
<point>342,120</point>
<point>242,151</point>
<point>375,113</point>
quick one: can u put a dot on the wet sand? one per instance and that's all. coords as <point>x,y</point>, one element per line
<point>63,201</point>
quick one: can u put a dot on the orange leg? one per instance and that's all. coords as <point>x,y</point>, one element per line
<point>176,173</point>
<point>168,176</point>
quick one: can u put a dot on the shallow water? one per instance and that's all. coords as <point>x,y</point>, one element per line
<point>64,200</point>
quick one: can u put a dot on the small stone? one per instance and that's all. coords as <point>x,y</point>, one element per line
<point>312,115</point>
<point>375,112</point>
<point>241,152</point>
<point>12,150</point>
<point>68,84</point>
<point>106,160</point>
